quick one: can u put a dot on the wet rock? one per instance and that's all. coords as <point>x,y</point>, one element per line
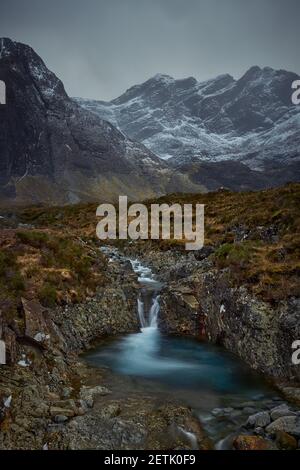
<point>247,404</point>
<point>285,441</point>
<point>292,393</point>
<point>80,324</point>
<point>288,424</point>
<point>261,420</point>
<point>135,423</point>
<point>281,411</point>
<point>256,331</point>
<point>59,419</point>
<point>259,431</point>
<point>253,443</point>
<point>248,410</point>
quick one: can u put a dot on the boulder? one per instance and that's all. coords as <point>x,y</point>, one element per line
<point>281,411</point>
<point>292,394</point>
<point>285,441</point>
<point>288,424</point>
<point>253,443</point>
<point>259,420</point>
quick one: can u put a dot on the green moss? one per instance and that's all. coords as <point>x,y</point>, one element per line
<point>35,239</point>
<point>11,281</point>
<point>47,295</point>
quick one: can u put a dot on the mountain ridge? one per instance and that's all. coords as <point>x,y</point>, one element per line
<point>250,120</point>
<point>53,151</point>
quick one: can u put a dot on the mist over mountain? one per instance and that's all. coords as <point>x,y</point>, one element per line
<point>53,151</point>
<point>250,123</point>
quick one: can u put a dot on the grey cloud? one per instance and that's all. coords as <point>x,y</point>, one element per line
<point>99,48</point>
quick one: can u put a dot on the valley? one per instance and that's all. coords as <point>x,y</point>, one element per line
<point>232,305</point>
<point>140,344</point>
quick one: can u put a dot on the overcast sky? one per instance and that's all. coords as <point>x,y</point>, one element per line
<point>99,48</point>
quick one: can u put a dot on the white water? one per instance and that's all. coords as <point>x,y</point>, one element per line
<point>141,313</point>
<point>150,288</point>
<point>154,311</point>
<point>202,375</point>
<point>191,438</point>
<point>178,362</point>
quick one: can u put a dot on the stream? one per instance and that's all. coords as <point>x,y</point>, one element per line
<point>221,390</point>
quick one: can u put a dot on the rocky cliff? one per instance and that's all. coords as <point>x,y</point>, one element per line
<point>53,151</point>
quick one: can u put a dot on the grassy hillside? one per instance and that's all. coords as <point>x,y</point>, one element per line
<point>51,253</point>
<point>51,266</point>
<point>256,235</point>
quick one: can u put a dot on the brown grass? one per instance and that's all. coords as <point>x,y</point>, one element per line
<point>255,235</point>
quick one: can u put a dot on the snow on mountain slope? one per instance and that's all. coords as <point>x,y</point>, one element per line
<point>251,120</point>
<point>53,151</point>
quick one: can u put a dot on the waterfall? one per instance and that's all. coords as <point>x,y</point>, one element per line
<point>141,313</point>
<point>190,437</point>
<point>154,311</point>
<point>149,288</point>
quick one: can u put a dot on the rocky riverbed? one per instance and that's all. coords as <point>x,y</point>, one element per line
<point>199,301</point>
<point>52,400</point>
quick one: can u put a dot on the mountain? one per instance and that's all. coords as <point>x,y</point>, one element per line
<point>53,151</point>
<point>250,123</point>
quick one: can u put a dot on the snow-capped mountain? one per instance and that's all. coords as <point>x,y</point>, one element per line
<point>251,120</point>
<point>54,151</point>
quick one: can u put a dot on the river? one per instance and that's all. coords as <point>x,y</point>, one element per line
<point>221,390</point>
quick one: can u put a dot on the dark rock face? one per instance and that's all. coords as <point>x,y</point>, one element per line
<point>202,304</point>
<point>71,405</point>
<point>48,365</point>
<point>53,151</point>
<point>248,124</point>
<point>259,334</point>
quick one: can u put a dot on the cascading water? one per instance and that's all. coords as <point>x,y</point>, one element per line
<point>141,313</point>
<point>148,302</point>
<point>200,374</point>
<point>154,311</point>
